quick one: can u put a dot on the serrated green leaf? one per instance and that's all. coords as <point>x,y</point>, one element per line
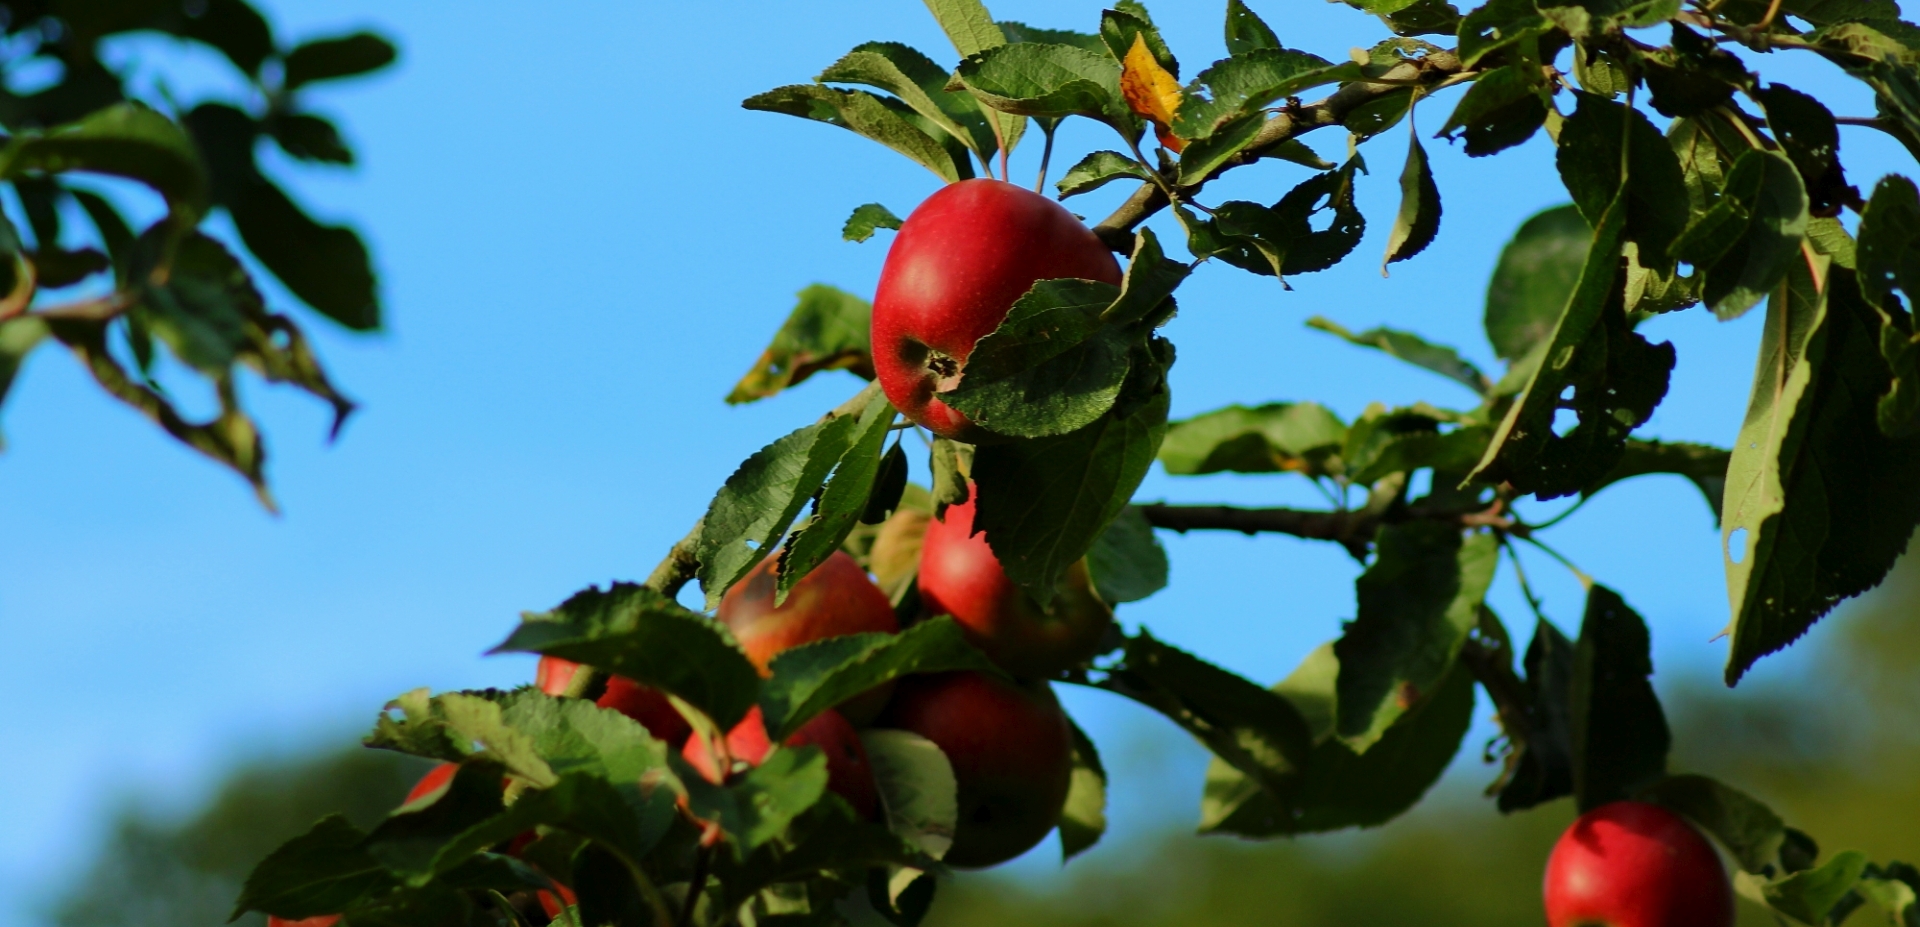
<point>760,501</point>
<point>972,30</point>
<point>1748,829</point>
<point>331,59</point>
<point>1084,818</point>
<point>1418,220</point>
<point>1245,83</point>
<point>1146,292</point>
<point>1051,367</point>
<point>1808,895</point>
<point>1500,110</point>
<point>1017,32</point>
<point>323,871</point>
<point>124,140</point>
<point>1119,27</point>
<point>1499,24</point>
<point>1255,730</point>
<point>1247,32</point>
<point>1745,243</point>
<point>1380,113</point>
<point>867,219</point>
<point>814,677</point>
<point>422,838</point>
<point>1044,501</point>
<point>756,808</point>
<point>1048,81</point>
<point>1203,156</point>
<point>843,501</point>
<point>1452,453</point>
<point>1271,438</point>
<point>1619,733</point>
<point>456,726</point>
<point>1889,260</point>
<point>916,786</point>
<point>1607,149</point>
<point>1336,787</point>
<point>1281,239</point>
<point>1535,276</point>
<point>1127,563</point>
<point>867,115</point>
<point>1819,500</point>
<point>1417,601</point>
<point>921,85</point>
<point>1097,170</point>
<point>828,329</point>
<point>641,634</point>
<point>1413,349</point>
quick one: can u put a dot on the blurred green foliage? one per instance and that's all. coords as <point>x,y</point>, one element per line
<point>1835,751</point>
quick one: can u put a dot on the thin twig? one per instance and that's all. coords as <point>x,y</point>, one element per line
<point>697,885</point>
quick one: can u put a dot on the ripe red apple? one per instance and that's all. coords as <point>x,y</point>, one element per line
<point>959,576</point>
<point>1012,755</point>
<point>642,703</point>
<point>435,779</point>
<point>836,598</point>
<point>959,262</point>
<point>323,920</point>
<point>1630,864</point>
<point>849,774</point>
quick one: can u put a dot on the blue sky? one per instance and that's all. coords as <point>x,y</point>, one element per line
<point>556,202</point>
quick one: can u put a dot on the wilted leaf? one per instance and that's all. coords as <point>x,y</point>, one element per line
<point>1270,438</point>
<point>827,330</point>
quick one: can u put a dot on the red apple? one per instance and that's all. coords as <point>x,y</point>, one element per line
<point>642,703</point>
<point>849,774</point>
<point>1012,755</point>
<point>959,576</point>
<point>836,598</point>
<point>1630,864</point>
<point>435,780</point>
<point>323,920</point>
<point>959,262</point>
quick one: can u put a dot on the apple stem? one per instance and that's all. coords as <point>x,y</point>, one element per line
<point>1046,155</point>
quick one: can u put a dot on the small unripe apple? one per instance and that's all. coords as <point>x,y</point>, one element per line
<point>642,703</point>
<point>1012,753</point>
<point>849,774</point>
<point>958,264</point>
<point>836,598</point>
<point>959,576</point>
<point>1631,864</point>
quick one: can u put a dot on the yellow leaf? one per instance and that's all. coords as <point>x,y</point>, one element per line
<point>1150,90</point>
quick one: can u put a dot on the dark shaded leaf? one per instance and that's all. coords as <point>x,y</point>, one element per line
<point>755,809</point>
<point>1745,243</point>
<point>889,486</point>
<point>1597,141</point>
<point>326,266</point>
<point>1497,25</point>
<point>1413,349</point>
<point>1692,75</point>
<point>640,634</point>
<point>1703,465</point>
<point>323,871</point>
<point>331,59</point>
<point>1535,276</point>
<point>1418,220</point>
<point>1889,259</point>
<point>1146,292</point>
<point>1748,829</point>
<point>1619,733</point>
<point>1544,769</point>
<point>842,501</point>
<point>1097,170</point>
<point>309,138</point>
<point>814,677</point>
<point>1418,600</point>
<point>1127,563</point>
<point>1810,137</point>
<point>1500,110</point>
<point>827,330</point>
<point>1281,239</point>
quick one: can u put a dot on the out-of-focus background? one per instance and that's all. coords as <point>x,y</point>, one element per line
<point>554,197</point>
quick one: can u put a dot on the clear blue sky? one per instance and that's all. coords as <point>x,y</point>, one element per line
<point>583,242</point>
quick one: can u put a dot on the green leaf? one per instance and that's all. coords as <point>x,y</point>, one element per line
<point>1246,32</point>
<point>1499,24</point>
<point>889,486</point>
<point>1748,829</point>
<point>1146,292</point>
<point>756,808</point>
<point>1084,818</point>
<point>1336,787</point>
<point>1271,438</point>
<point>867,219</point>
<point>1889,259</point>
<point>1808,895</point>
<point>1043,502</point>
<point>326,266</point>
<point>1810,137</point>
<point>1535,276</point>
<point>1895,888</point>
<point>1615,375</point>
<point>323,871</point>
<point>1500,110</point>
<point>18,338</point>
<point>762,498</point>
<point>1097,170</point>
<point>842,503</point>
<point>1048,81</point>
<point>1127,562</point>
<point>1255,730</point>
<point>827,330</point>
<point>1820,502</point>
<point>812,678</point>
<point>330,59</point>
<point>868,115</point>
<point>1745,243</point>
<point>1418,600</point>
<point>1246,83</point>
<point>1704,465</point>
<point>1450,453</point>
<point>1379,114</point>
<point>309,138</point>
<point>1619,733</point>
<point>1017,32</point>
<point>1413,349</point>
<point>1598,140</point>
<point>423,838</point>
<point>1420,17</point>
<point>921,85</point>
<point>1543,771</point>
<point>1419,218</point>
<point>1202,157</point>
<point>1118,28</point>
<point>1692,75</point>
<point>917,788</point>
<point>638,633</point>
<point>1281,240</point>
<point>968,24</point>
<point>124,140</point>
<point>1051,367</point>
